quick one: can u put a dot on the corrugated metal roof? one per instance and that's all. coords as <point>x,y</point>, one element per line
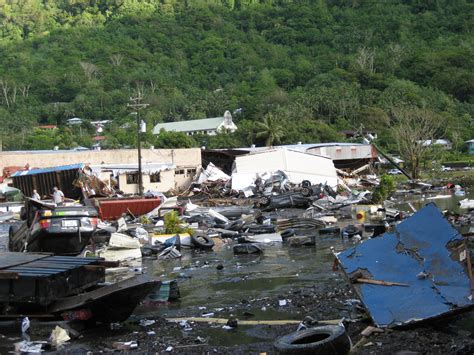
<point>301,147</point>
<point>147,168</point>
<point>285,150</point>
<point>191,125</point>
<point>48,170</point>
<point>423,253</point>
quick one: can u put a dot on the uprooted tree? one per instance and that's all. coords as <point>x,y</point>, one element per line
<point>413,129</point>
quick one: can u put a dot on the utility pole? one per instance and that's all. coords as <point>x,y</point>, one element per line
<point>137,106</point>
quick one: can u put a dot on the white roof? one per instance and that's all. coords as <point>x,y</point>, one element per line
<point>297,165</point>
<point>436,141</point>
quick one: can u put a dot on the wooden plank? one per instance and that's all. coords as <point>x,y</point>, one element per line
<point>246,322</point>
<point>380,282</point>
<point>5,275</point>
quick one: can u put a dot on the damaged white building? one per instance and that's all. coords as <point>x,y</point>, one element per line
<point>297,165</point>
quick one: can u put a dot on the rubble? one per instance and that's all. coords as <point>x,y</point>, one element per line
<point>278,213</point>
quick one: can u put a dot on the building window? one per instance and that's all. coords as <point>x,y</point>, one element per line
<point>191,172</point>
<point>132,178</point>
<point>179,172</point>
<point>156,177</point>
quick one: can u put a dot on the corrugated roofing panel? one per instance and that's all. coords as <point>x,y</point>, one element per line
<point>423,244</point>
<point>48,170</point>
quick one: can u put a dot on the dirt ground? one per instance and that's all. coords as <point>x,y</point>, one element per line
<point>452,335</point>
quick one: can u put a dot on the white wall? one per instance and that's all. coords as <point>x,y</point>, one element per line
<point>297,165</point>
<point>167,182</point>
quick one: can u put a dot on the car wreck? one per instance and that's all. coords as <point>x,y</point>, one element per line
<point>62,230</point>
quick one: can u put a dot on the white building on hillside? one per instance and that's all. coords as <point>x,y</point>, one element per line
<point>209,126</point>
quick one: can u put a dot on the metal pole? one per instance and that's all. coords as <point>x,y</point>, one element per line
<point>140,179</point>
<point>137,105</point>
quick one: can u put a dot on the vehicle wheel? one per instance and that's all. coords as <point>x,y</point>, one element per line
<point>23,214</point>
<point>287,233</point>
<point>329,339</point>
<point>11,232</point>
<point>306,191</point>
<point>306,183</point>
<point>202,241</point>
<point>264,201</point>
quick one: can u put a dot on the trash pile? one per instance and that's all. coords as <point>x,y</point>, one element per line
<point>396,260</point>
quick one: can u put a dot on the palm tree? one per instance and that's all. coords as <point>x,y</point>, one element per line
<point>270,129</point>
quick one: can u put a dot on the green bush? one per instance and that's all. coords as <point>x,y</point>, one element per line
<point>173,224</point>
<point>386,187</point>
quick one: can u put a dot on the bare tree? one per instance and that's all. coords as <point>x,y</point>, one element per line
<point>25,90</point>
<point>5,91</point>
<point>9,92</point>
<point>414,127</point>
<point>366,59</point>
<point>90,70</point>
<point>116,59</point>
<point>153,86</point>
<point>139,89</point>
<point>397,54</point>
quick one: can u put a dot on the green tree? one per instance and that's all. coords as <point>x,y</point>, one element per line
<point>269,129</point>
<point>173,140</point>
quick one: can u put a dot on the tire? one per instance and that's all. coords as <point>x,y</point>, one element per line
<point>202,242</point>
<point>236,226</point>
<point>305,183</point>
<point>306,191</point>
<point>23,214</point>
<point>287,233</point>
<point>264,201</point>
<point>11,232</point>
<point>329,339</point>
<point>247,248</point>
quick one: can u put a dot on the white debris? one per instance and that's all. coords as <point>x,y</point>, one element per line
<point>59,336</point>
<point>146,322</point>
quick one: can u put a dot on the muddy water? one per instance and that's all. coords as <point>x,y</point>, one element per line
<point>444,201</point>
<point>244,277</point>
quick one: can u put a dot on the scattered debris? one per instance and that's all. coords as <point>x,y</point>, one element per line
<point>59,336</point>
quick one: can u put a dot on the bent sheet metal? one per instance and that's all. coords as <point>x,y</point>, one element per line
<point>424,252</point>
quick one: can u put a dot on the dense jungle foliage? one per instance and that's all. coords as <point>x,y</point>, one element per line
<point>291,71</point>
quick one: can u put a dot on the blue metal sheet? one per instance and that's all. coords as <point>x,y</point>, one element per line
<point>425,243</point>
<point>48,170</point>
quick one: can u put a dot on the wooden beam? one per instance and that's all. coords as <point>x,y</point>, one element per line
<point>246,322</point>
<point>380,282</point>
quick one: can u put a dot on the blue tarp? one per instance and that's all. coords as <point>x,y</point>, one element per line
<point>48,170</point>
<point>424,243</point>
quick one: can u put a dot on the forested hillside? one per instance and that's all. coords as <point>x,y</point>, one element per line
<point>304,69</point>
